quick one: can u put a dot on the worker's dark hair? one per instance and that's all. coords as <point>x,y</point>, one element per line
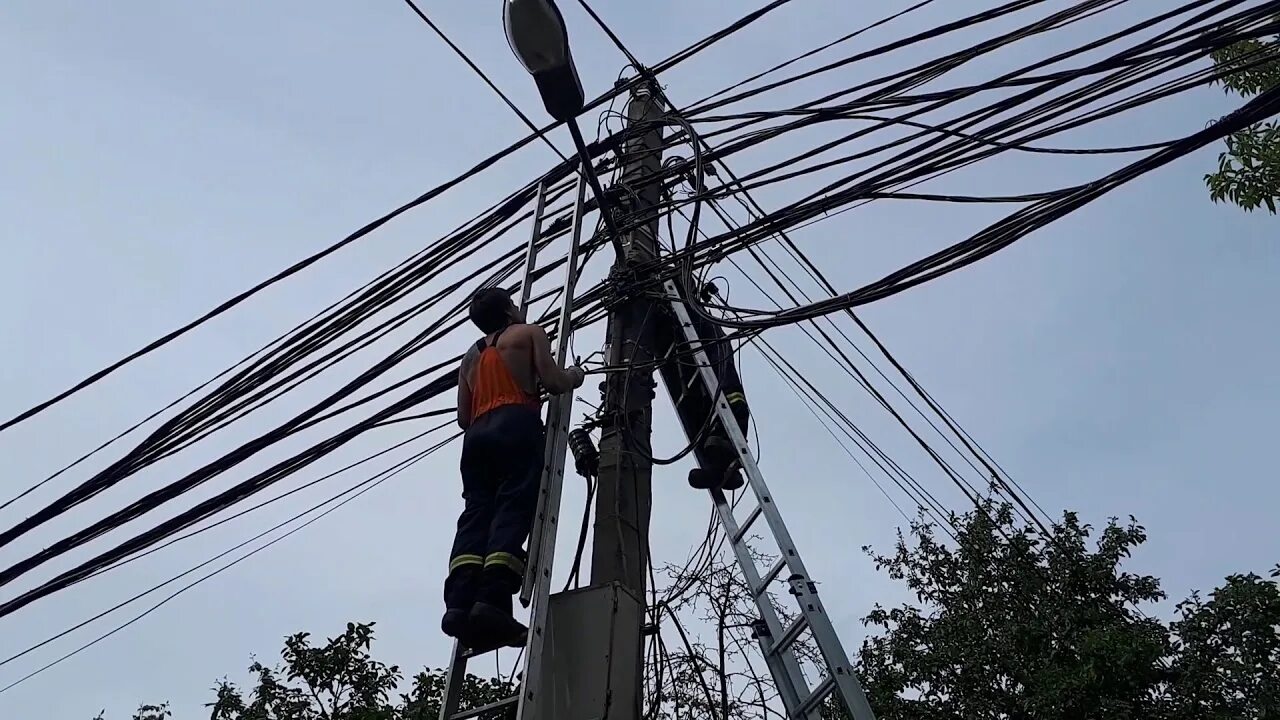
<point>490,309</point>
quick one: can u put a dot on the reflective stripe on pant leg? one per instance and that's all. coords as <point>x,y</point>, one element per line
<point>465,560</point>
<point>507,560</point>
<point>741,412</point>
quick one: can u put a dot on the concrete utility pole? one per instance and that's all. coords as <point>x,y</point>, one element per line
<point>593,651</point>
<point>624,497</point>
<point>584,657</point>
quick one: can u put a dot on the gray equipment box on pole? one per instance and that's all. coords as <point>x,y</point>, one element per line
<point>589,655</point>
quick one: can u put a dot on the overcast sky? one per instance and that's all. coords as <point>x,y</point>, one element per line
<point>156,158</point>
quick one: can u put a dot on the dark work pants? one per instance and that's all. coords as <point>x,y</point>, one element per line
<point>501,471</point>
<point>695,404</point>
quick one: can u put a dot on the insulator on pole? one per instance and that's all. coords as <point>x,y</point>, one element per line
<point>586,459</point>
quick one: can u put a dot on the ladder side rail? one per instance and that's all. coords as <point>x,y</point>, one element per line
<point>548,496</point>
<point>802,586</point>
<point>531,251</point>
<point>755,480</point>
<point>784,667</point>
<point>833,652</point>
<point>454,680</point>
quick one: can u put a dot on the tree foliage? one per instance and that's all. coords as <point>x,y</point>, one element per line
<point>1227,663</point>
<point>339,680</point>
<point>1007,623</point>
<point>1249,169</point>
<point>1011,624</point>
<point>146,712</point>
<point>1014,626</point>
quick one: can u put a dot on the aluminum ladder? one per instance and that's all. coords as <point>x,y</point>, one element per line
<point>536,590</point>
<point>776,641</point>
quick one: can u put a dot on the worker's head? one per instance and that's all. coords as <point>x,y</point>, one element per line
<point>491,310</point>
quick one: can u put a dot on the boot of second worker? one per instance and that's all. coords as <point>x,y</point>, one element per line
<point>719,451</point>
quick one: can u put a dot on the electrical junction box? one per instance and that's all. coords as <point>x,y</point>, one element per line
<point>591,664</point>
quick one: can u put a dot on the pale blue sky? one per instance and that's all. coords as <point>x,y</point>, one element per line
<point>159,157</point>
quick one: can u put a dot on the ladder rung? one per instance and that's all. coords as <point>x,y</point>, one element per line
<point>477,712</point>
<point>789,635</point>
<point>770,576</point>
<point>816,697</point>
<point>680,399</point>
<point>693,380</point>
<point>469,653</point>
<point>684,393</point>
<point>746,524</point>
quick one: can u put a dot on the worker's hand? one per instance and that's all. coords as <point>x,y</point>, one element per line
<point>578,374</point>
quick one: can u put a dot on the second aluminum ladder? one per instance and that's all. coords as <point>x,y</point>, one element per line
<point>777,642</point>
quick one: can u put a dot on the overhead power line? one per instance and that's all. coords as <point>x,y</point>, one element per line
<point>908,127</point>
<point>476,69</point>
<point>353,493</point>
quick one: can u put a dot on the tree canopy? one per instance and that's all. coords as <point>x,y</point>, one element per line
<point>1007,623</point>
<point>340,680</point>
<point>1012,624</point>
<point>1248,172</point>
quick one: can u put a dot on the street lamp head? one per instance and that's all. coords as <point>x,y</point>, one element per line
<point>536,33</point>
<point>538,37</point>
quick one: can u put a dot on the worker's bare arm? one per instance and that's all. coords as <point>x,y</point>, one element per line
<point>464,392</point>
<point>556,380</point>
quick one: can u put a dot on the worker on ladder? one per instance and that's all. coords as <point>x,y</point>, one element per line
<point>715,452</point>
<point>502,455</point>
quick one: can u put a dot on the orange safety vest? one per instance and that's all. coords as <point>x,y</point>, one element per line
<point>493,385</point>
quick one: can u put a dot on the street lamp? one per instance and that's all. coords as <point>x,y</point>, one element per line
<point>540,40</point>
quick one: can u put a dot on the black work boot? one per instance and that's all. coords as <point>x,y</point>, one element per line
<point>710,478</point>
<point>494,627</point>
<point>719,451</point>
<point>491,618</point>
<point>700,479</point>
<point>459,597</point>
